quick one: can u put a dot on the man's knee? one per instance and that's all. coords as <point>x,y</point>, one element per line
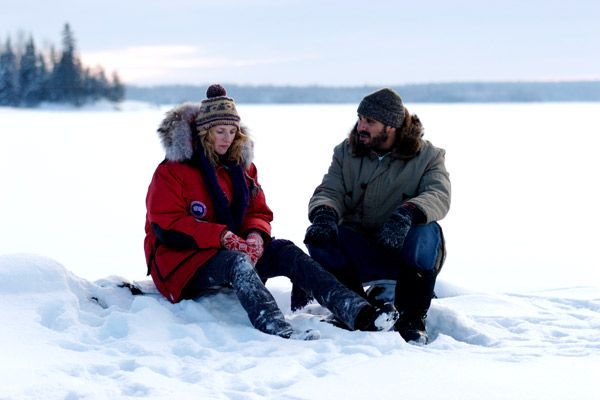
<point>424,247</point>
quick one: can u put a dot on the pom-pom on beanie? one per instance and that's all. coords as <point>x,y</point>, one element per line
<point>217,109</point>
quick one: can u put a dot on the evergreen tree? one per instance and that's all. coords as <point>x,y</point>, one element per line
<point>67,75</point>
<point>102,84</point>
<point>95,83</point>
<point>30,83</point>
<point>117,89</point>
<point>52,90</point>
<point>28,78</point>
<point>44,79</point>
<point>9,95</point>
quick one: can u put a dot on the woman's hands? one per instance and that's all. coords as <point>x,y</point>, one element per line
<point>253,245</point>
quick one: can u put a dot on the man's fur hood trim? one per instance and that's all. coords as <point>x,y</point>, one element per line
<point>408,138</point>
<point>177,129</point>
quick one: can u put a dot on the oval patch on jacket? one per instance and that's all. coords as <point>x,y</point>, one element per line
<point>198,209</point>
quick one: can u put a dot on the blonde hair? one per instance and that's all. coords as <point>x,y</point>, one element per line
<point>236,151</point>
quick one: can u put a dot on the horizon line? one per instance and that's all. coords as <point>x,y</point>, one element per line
<point>319,85</point>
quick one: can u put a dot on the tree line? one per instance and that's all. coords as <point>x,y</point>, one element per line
<point>451,92</point>
<point>29,77</point>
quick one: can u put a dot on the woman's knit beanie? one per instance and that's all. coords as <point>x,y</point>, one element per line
<point>217,109</point>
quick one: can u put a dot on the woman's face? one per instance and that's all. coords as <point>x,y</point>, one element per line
<point>222,137</point>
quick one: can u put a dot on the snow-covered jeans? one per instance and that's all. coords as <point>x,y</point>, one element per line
<point>281,258</point>
<point>356,259</point>
<point>233,268</point>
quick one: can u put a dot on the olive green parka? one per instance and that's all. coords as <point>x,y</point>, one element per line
<point>366,188</point>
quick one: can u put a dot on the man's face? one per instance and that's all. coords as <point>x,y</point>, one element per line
<point>374,135</point>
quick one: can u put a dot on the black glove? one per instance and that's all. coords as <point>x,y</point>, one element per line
<point>394,230</point>
<point>324,228</point>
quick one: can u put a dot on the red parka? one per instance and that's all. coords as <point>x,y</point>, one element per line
<point>179,206</point>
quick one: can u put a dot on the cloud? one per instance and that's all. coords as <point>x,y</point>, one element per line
<point>157,64</point>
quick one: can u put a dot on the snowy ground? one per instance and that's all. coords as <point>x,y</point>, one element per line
<point>519,308</point>
<point>58,342</point>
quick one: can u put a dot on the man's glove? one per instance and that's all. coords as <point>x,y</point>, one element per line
<point>394,230</point>
<point>324,229</point>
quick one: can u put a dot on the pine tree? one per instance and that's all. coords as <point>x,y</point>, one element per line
<point>67,75</point>
<point>30,83</point>
<point>95,83</point>
<point>102,84</point>
<point>44,79</point>
<point>117,90</point>
<point>9,95</point>
<point>28,78</point>
<point>52,90</point>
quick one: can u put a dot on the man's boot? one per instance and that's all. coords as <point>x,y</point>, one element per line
<point>412,328</point>
<point>414,291</point>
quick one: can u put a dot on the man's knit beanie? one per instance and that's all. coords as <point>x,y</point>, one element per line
<point>217,109</point>
<point>384,106</point>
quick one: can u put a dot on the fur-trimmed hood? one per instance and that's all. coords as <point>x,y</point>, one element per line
<point>408,138</point>
<point>177,129</point>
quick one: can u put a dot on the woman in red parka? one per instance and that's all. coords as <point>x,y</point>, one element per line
<point>208,224</point>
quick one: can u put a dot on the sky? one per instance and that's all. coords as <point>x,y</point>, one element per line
<point>299,42</point>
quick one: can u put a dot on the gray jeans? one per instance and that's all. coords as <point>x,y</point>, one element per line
<point>281,258</point>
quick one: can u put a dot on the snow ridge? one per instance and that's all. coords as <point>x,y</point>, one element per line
<point>67,337</point>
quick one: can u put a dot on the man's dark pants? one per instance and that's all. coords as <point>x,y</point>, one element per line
<point>356,259</point>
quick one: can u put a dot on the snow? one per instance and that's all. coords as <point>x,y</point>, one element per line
<point>518,313</point>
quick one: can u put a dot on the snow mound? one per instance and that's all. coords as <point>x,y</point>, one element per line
<point>66,337</point>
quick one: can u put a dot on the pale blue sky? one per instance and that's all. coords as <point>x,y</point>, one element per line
<point>322,42</point>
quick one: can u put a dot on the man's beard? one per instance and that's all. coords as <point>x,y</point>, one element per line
<point>376,142</point>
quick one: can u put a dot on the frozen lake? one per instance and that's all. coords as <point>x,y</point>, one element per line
<point>524,178</point>
<point>518,297</point>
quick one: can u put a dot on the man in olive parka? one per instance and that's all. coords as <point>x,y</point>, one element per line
<point>374,216</point>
